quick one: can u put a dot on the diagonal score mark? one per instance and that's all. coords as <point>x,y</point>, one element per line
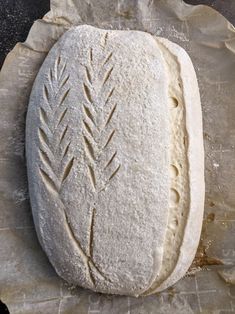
<point>48,182</point>
<point>92,175</point>
<point>87,92</point>
<point>111,115</point>
<point>46,92</point>
<point>44,141</point>
<point>43,136</point>
<point>45,159</point>
<point>63,134</point>
<point>67,169</point>
<point>87,127</point>
<point>61,117</point>
<point>64,97</point>
<point>91,55</point>
<point>107,59</point>
<point>89,147</point>
<point>109,138</point>
<point>91,232</point>
<point>114,173</point>
<point>66,150</point>
<point>62,71</point>
<point>63,83</point>
<point>104,40</point>
<point>88,113</point>
<point>88,74</point>
<point>51,78</point>
<point>107,75</point>
<point>43,115</point>
<point>109,95</point>
<point>111,160</point>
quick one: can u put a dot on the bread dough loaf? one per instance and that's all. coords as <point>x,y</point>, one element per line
<point>115,160</point>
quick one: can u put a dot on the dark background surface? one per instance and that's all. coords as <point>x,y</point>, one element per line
<point>17,17</point>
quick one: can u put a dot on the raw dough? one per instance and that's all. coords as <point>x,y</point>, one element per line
<point>115,160</point>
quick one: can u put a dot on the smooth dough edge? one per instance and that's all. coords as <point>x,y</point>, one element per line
<point>195,154</point>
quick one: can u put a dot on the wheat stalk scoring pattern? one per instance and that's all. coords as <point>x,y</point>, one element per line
<point>55,148</point>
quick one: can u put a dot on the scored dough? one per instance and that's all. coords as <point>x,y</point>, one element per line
<point>115,160</point>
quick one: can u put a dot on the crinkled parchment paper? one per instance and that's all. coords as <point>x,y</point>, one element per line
<point>28,283</point>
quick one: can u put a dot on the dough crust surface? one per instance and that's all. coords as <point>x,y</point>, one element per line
<point>110,160</point>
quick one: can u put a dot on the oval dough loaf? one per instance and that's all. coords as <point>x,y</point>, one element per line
<point>115,160</point>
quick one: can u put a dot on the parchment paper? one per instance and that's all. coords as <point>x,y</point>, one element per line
<point>28,283</point>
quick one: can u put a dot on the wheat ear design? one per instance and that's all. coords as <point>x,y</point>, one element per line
<point>56,164</point>
<point>97,131</point>
<point>53,132</point>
